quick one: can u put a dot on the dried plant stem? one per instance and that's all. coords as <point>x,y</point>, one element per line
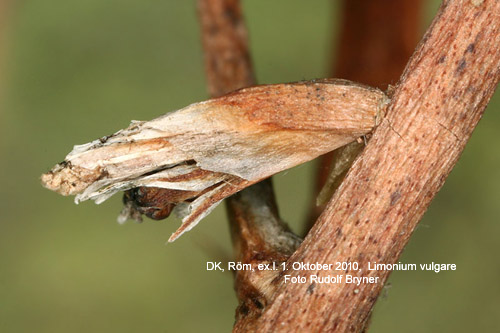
<point>228,65</point>
<point>439,101</point>
<point>258,234</point>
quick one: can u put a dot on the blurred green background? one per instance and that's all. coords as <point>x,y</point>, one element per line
<point>73,71</point>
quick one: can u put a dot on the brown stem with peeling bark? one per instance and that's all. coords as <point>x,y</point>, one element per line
<point>225,44</point>
<point>376,40</point>
<point>437,104</point>
<point>259,236</point>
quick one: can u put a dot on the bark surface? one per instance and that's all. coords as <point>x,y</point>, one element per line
<point>259,235</point>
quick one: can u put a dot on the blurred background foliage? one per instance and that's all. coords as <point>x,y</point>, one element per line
<point>73,71</point>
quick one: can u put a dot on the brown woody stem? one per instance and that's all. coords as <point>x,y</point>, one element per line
<point>258,234</point>
<point>436,106</point>
<point>225,44</point>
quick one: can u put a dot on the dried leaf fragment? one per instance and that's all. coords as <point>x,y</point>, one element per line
<point>212,149</point>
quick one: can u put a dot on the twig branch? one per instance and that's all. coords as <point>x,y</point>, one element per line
<point>439,101</point>
<point>258,234</point>
<point>228,65</point>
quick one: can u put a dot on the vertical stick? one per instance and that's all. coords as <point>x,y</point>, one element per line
<point>228,65</point>
<point>258,234</point>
